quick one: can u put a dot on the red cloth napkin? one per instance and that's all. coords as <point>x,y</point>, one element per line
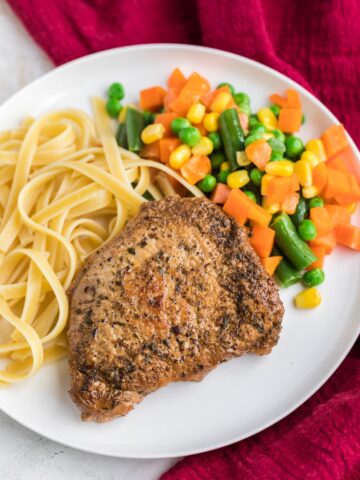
<point>315,42</point>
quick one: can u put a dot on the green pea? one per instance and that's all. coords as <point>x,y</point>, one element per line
<point>179,123</point>
<point>113,107</point>
<point>279,134</point>
<point>217,159</point>
<point>294,146</point>
<point>316,202</point>
<point>222,176</point>
<point>149,117</point>
<point>225,84</point>
<point>253,122</point>
<point>216,140</point>
<point>307,230</point>
<point>256,176</point>
<point>275,109</point>
<point>190,136</point>
<point>314,277</point>
<point>259,128</point>
<point>116,90</point>
<point>251,138</point>
<point>251,195</point>
<point>277,148</point>
<point>207,184</point>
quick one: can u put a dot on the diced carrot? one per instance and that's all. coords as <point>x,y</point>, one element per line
<point>151,151</point>
<point>278,189</point>
<point>293,98</point>
<point>353,195</point>
<point>196,168</point>
<point>176,80</point>
<point>169,98</point>
<point>320,176</point>
<point>201,128</point>
<point>167,146</point>
<point>348,235</point>
<point>348,157</point>
<point>319,253</point>
<point>322,220</point>
<point>278,100</point>
<point>238,205</point>
<point>337,164</point>
<point>166,119</point>
<point>270,264</point>
<point>327,241</point>
<point>207,98</point>
<point>295,182</point>
<point>259,215</point>
<point>290,120</point>
<point>334,139</point>
<point>337,184</point>
<point>259,152</point>
<point>338,214</point>
<point>152,98</point>
<point>262,240</point>
<point>290,203</point>
<point>192,91</point>
<point>220,193</point>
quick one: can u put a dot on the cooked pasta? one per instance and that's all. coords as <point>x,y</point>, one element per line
<point>66,188</point>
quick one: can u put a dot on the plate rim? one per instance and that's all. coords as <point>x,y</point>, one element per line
<point>306,93</point>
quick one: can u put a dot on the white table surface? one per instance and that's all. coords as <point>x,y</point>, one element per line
<point>23,454</point>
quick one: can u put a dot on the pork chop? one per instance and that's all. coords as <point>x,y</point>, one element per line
<point>177,292</point>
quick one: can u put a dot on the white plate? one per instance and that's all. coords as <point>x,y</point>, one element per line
<point>240,397</point>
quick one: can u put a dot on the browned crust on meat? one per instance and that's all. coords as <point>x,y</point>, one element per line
<point>177,292</point>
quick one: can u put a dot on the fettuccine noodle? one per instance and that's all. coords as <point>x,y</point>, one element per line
<point>66,188</point>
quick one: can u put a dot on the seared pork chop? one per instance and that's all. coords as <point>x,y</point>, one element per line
<point>177,292</point>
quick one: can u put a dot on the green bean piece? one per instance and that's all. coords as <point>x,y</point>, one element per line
<point>301,212</point>
<point>285,272</point>
<point>232,136</point>
<point>121,136</point>
<point>287,239</point>
<point>134,125</point>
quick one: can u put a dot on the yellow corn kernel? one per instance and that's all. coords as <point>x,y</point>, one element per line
<point>351,207</point>
<point>224,167</point>
<point>211,121</point>
<point>272,208</point>
<point>238,179</point>
<point>309,298</point>
<point>265,183</point>
<point>304,173</point>
<point>267,135</point>
<point>316,146</point>
<point>267,118</point>
<point>179,156</point>
<point>309,192</point>
<point>122,114</point>
<point>311,158</point>
<point>152,133</point>
<point>241,159</point>
<point>196,113</point>
<point>220,102</point>
<point>280,168</point>
<point>204,147</point>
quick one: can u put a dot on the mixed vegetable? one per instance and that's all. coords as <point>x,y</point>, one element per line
<point>296,198</point>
